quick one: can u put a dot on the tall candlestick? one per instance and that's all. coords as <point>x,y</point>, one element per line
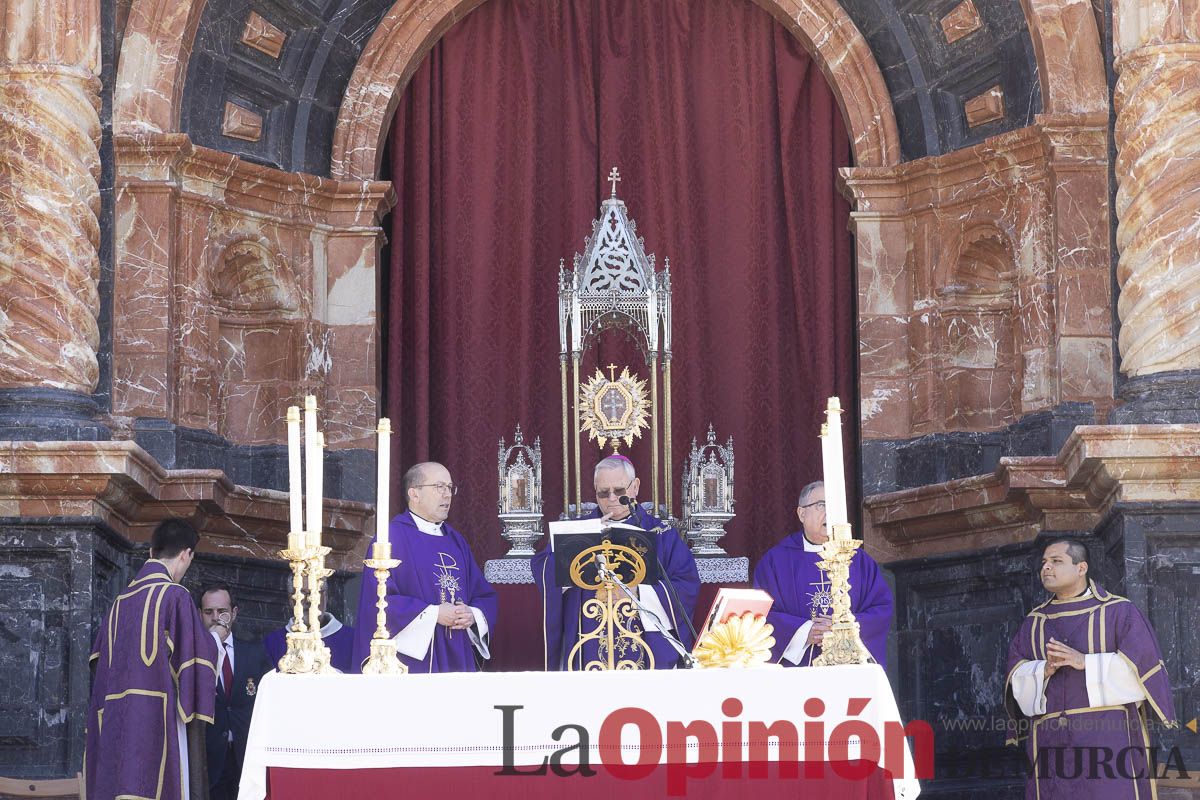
<point>295,492</point>
<point>383,465</point>
<point>312,470</point>
<point>834,468</point>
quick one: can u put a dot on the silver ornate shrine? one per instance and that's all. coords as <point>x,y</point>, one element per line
<point>708,494</point>
<point>519,507</point>
<point>520,504</point>
<point>708,506</point>
<point>614,284</point>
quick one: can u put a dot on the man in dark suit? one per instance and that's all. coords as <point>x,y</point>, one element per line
<point>240,667</point>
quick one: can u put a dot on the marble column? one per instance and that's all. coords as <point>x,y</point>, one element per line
<point>49,207</point>
<point>1157,99</point>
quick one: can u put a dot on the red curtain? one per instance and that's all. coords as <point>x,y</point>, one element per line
<point>727,139</point>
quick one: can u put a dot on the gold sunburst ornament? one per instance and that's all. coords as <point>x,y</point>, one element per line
<point>613,409</point>
<point>742,641</point>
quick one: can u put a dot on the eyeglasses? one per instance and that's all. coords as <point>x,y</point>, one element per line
<point>444,488</point>
<point>604,494</point>
<point>818,504</point>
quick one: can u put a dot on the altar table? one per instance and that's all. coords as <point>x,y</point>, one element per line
<point>684,733</point>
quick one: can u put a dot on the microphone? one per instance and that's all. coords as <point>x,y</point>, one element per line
<point>635,511</point>
<point>626,500</point>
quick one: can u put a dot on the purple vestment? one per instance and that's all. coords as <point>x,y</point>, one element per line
<point>340,642</point>
<point>1062,743</point>
<point>154,673</point>
<point>562,611</point>
<point>433,570</point>
<point>789,573</point>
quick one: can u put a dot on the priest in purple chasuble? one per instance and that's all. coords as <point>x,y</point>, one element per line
<point>1084,673</point>
<point>671,600</point>
<point>154,674</point>
<point>440,609</point>
<point>801,613</point>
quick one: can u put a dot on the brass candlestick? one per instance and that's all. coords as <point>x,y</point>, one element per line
<point>306,651</point>
<point>383,659</point>
<point>843,644</point>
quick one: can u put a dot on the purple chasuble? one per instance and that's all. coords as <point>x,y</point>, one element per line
<point>340,644</point>
<point>154,673</point>
<point>562,611</point>
<point>789,573</point>
<point>1062,743</point>
<point>433,570</point>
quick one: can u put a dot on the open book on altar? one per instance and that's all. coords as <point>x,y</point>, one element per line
<point>733,603</point>
<point>569,538</point>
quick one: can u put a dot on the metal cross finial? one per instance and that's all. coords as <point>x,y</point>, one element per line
<point>611,369</point>
<point>614,178</point>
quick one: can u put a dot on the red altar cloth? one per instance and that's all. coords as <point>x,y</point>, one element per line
<point>319,784</point>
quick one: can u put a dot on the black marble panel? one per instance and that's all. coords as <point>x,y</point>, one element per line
<point>46,629</point>
<point>892,464</point>
<point>1159,549</point>
<point>930,79</point>
<point>109,49</point>
<point>349,474</point>
<point>298,95</point>
<point>42,415</point>
<point>1165,398</point>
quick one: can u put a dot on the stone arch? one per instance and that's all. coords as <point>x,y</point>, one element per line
<point>153,65</point>
<point>1070,58</point>
<point>412,27</point>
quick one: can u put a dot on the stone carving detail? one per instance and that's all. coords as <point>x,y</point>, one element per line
<point>1157,171</point>
<point>49,202</point>
<point>256,307</point>
<point>961,21</point>
<point>977,364</point>
<point>263,36</point>
<point>985,108</point>
<point>241,123</point>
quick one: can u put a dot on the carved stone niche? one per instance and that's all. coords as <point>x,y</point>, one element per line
<point>259,341</point>
<point>977,365</point>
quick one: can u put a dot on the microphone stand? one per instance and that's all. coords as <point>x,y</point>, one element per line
<point>689,661</point>
<point>636,511</point>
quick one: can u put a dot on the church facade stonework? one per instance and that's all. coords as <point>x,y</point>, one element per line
<point>192,233</point>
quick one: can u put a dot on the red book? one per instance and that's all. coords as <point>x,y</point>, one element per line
<point>735,602</point>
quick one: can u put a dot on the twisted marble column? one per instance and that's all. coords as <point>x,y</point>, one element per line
<point>49,194</point>
<point>1158,207</point>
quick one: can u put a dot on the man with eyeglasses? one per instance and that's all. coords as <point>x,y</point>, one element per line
<point>801,613</point>
<point>440,608</point>
<point>671,599</point>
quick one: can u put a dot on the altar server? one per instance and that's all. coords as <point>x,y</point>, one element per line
<point>1084,673</point>
<point>154,674</point>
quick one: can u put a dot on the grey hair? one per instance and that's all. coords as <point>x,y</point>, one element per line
<point>612,462</point>
<point>807,491</point>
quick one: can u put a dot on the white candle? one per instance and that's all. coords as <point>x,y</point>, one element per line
<point>319,488</point>
<point>383,467</point>
<point>295,492</point>
<point>835,474</point>
<point>312,470</point>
